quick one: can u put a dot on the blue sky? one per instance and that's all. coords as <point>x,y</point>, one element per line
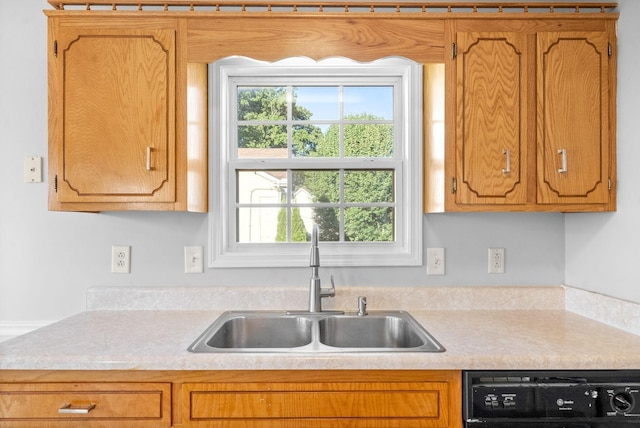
<point>323,102</point>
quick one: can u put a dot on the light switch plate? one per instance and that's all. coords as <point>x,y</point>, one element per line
<point>193,259</point>
<point>435,261</point>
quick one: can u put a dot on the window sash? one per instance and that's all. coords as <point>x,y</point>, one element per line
<point>339,80</point>
<point>342,205</point>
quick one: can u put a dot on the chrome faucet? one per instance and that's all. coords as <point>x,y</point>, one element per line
<point>316,292</point>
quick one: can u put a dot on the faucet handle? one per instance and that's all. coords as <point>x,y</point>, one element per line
<point>329,292</point>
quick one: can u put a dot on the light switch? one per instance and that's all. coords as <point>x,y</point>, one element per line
<point>435,261</point>
<point>33,169</point>
<point>193,259</point>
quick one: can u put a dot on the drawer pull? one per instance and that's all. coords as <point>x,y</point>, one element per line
<point>68,409</point>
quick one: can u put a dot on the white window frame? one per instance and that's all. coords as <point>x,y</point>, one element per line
<point>407,248</point>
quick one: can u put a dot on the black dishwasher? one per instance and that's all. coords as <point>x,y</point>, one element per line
<point>551,399</point>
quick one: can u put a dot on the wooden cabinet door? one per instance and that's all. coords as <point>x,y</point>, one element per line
<point>116,114</point>
<point>333,404</point>
<point>491,130</point>
<point>573,118</point>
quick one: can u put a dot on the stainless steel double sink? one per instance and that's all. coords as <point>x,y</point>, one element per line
<point>281,331</point>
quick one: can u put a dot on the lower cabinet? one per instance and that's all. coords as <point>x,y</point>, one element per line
<point>310,399</point>
<point>231,399</point>
<point>85,405</point>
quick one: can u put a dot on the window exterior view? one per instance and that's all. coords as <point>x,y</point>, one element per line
<point>328,124</point>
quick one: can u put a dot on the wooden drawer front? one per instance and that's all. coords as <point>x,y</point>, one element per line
<point>146,404</point>
<point>402,404</point>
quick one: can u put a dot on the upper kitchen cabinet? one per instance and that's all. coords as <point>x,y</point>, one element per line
<point>574,151</point>
<point>491,125</point>
<point>519,99</point>
<point>530,117</point>
<point>117,140</point>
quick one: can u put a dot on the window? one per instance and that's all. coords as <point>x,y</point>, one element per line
<point>297,142</point>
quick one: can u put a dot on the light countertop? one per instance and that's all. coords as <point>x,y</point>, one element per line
<point>475,338</point>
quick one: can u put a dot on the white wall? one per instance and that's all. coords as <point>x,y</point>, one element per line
<point>48,259</point>
<point>603,250</point>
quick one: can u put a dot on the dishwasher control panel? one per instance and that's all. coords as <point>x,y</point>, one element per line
<point>585,397</point>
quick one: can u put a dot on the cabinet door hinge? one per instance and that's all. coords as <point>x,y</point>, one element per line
<point>55,183</point>
<point>55,48</point>
<point>610,49</point>
<point>454,185</point>
<point>454,51</point>
<point>609,183</point>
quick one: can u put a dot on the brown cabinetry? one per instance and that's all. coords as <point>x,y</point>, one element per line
<point>423,402</point>
<point>231,399</point>
<point>573,118</point>
<point>42,405</point>
<point>491,133</point>
<point>113,97</point>
<point>531,119</point>
<point>527,92</point>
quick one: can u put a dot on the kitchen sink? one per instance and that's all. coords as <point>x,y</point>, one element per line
<point>274,331</point>
<point>372,331</point>
<point>262,332</point>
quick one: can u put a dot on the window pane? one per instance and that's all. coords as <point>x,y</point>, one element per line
<point>293,228</point>
<point>329,145</point>
<point>368,140</point>
<point>368,224</point>
<point>368,186</point>
<point>257,224</point>
<point>317,186</point>
<point>316,103</point>
<point>261,187</point>
<point>262,103</point>
<point>262,137</point>
<point>272,225</point>
<point>328,221</point>
<point>373,101</point>
<point>307,139</point>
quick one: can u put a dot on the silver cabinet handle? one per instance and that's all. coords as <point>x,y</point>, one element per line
<point>563,153</point>
<point>68,409</point>
<point>149,150</point>
<point>507,169</point>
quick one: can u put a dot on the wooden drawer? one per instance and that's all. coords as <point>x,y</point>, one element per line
<point>335,404</point>
<point>87,405</point>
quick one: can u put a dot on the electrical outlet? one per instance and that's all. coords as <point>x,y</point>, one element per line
<point>496,260</point>
<point>193,260</point>
<point>435,261</point>
<point>121,259</point>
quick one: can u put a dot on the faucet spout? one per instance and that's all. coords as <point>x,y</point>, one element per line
<point>316,292</point>
<point>314,258</point>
